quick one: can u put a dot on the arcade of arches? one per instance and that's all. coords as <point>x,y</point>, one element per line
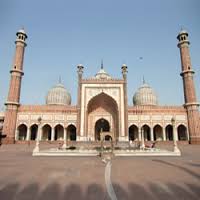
<point>157,133</point>
<point>102,115</point>
<point>48,132</point>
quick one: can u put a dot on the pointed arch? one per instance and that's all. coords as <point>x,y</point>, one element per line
<point>105,106</point>
<point>59,132</point>
<point>158,132</point>
<point>147,132</point>
<point>22,132</point>
<point>169,132</point>
<point>133,133</point>
<point>102,99</point>
<point>33,131</point>
<point>46,132</point>
<point>101,125</point>
<point>71,132</point>
<point>182,132</point>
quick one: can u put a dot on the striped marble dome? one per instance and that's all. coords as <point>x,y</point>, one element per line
<point>145,95</point>
<point>58,95</point>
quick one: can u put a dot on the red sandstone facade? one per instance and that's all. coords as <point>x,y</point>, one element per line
<point>101,102</point>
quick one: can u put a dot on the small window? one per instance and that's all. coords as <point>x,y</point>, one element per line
<point>15,67</point>
<point>188,67</point>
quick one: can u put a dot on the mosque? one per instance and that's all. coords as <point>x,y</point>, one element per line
<point>102,106</point>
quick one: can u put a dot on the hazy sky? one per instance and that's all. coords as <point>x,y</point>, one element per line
<point>64,33</point>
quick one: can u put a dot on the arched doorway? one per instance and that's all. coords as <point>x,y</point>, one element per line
<point>46,132</point>
<point>182,132</point>
<point>101,125</point>
<point>169,132</point>
<point>71,132</point>
<point>147,132</point>
<point>34,130</point>
<point>158,133</point>
<point>108,138</point>
<point>105,106</point>
<point>22,132</point>
<point>59,132</point>
<point>133,133</point>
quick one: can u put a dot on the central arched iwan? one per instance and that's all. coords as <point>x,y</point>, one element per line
<point>102,106</point>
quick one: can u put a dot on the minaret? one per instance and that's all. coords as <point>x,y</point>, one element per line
<point>80,75</point>
<point>13,100</point>
<point>124,74</point>
<point>191,103</point>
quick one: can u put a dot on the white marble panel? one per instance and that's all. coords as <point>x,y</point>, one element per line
<point>144,117</point>
<point>23,117</point>
<point>35,117</point>
<point>156,117</point>
<point>71,117</point>
<point>47,117</point>
<point>168,117</point>
<point>60,117</point>
<point>181,117</point>
<point>133,117</point>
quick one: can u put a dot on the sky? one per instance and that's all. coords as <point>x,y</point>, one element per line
<point>64,33</point>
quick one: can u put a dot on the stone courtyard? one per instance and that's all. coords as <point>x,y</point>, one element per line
<point>25,177</point>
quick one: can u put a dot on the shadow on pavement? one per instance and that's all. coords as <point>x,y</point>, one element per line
<point>95,192</point>
<point>196,175</point>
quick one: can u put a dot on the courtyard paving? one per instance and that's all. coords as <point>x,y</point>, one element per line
<point>23,177</point>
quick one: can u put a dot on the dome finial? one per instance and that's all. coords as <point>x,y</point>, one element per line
<point>101,63</point>
<point>143,80</point>
<point>60,80</point>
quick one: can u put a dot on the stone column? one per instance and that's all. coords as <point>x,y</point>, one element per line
<point>16,134</point>
<point>28,134</point>
<point>65,138</point>
<point>142,138</point>
<point>176,149</point>
<point>139,134</point>
<point>37,148</point>
<point>151,134</point>
<point>40,132</point>
<point>52,134</point>
<point>79,96</point>
<point>164,134</point>
<point>124,74</point>
<point>175,134</point>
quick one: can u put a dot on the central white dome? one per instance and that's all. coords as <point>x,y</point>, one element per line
<point>58,95</point>
<point>145,95</point>
<point>102,74</point>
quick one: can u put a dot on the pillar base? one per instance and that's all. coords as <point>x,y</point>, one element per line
<point>8,140</point>
<point>123,139</point>
<point>36,149</point>
<point>195,140</point>
<point>81,138</point>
